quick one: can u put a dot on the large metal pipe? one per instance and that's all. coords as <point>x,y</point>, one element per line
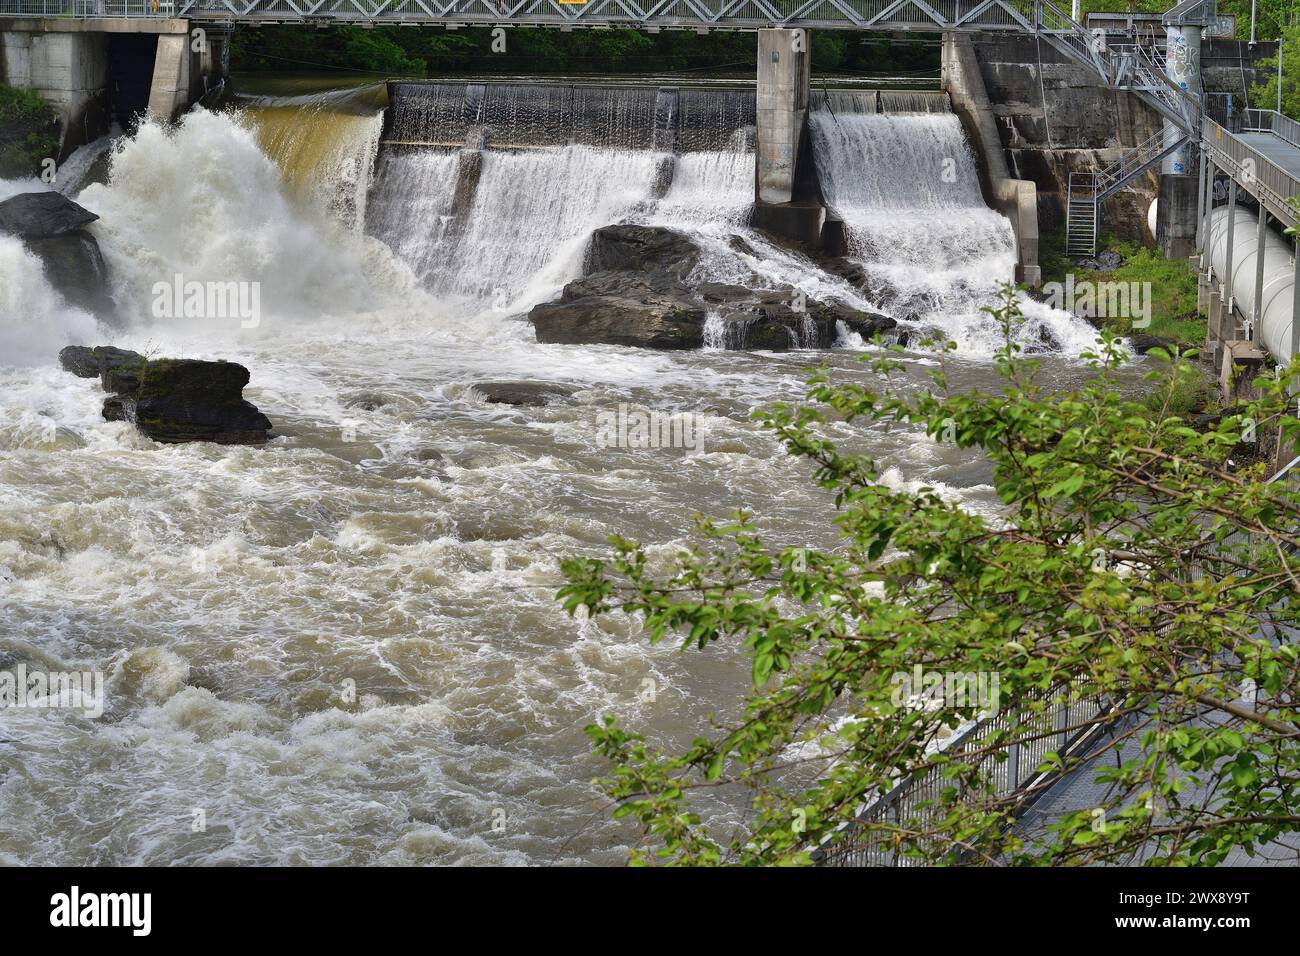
<point>1277,301</point>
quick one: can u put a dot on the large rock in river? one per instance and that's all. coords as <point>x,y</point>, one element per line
<point>42,215</point>
<point>622,308</point>
<point>181,400</point>
<point>661,312</point>
<point>75,266</point>
<point>53,228</point>
<point>632,248</point>
<point>521,393</point>
<point>104,362</point>
<point>638,290</point>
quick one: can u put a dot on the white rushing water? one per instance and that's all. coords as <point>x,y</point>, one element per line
<point>908,190</point>
<point>343,647</point>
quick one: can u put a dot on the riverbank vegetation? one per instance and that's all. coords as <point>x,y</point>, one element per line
<point>1137,573</point>
<point>417,53</point>
<point>1174,316</point>
<point>29,132</point>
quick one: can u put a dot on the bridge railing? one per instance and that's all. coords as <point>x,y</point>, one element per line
<point>1010,15</point>
<point>1269,121</point>
<point>1262,177</point>
<point>85,9</point>
<point>1061,722</point>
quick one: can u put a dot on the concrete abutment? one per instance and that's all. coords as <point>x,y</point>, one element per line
<point>85,68</point>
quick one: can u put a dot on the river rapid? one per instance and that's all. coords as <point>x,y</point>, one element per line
<point>400,537</point>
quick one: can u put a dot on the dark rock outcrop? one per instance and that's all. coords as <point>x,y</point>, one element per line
<point>80,360</point>
<point>636,293</point>
<point>632,248</point>
<point>53,228</point>
<point>99,362</point>
<point>1142,343</point>
<point>521,393</point>
<point>621,308</point>
<point>75,266</point>
<point>43,215</point>
<point>180,400</point>
<point>172,400</point>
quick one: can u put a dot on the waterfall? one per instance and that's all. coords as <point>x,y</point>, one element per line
<point>489,192</point>
<point>914,101</point>
<point>325,145</point>
<point>528,222</point>
<point>505,220</point>
<point>907,187</point>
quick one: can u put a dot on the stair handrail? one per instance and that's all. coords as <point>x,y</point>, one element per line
<point>1192,13</point>
<point>1063,30</point>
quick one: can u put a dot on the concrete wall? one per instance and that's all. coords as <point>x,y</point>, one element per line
<point>1017,199</point>
<point>1055,117</point>
<point>170,92</point>
<point>1231,66</point>
<point>69,71</point>
<point>68,63</point>
<point>782,111</point>
<point>787,200</point>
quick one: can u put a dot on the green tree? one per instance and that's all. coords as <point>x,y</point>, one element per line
<point>1134,562</point>
<point>29,132</point>
<point>1264,95</point>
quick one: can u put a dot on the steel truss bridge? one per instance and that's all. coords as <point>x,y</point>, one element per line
<point>1033,16</point>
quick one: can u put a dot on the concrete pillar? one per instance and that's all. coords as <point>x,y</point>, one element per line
<point>1183,67</point>
<point>1178,210</point>
<point>786,196</point>
<point>1176,219</point>
<point>783,77</point>
<point>1240,365</point>
<point>1214,328</point>
<point>169,94</point>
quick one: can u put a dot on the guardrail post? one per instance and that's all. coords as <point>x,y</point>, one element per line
<point>1295,308</point>
<point>1227,261</point>
<point>1208,207</point>
<point>1257,313</point>
<point>1200,206</point>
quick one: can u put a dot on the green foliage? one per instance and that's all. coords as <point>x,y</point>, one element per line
<point>29,132</point>
<point>424,51</point>
<point>1272,15</point>
<point>1180,626</point>
<point>1264,95</point>
<point>1187,391</point>
<point>1174,315</point>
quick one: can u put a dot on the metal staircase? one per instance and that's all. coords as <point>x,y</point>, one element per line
<point>1126,65</point>
<point>1081,216</point>
<point>1087,190</point>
